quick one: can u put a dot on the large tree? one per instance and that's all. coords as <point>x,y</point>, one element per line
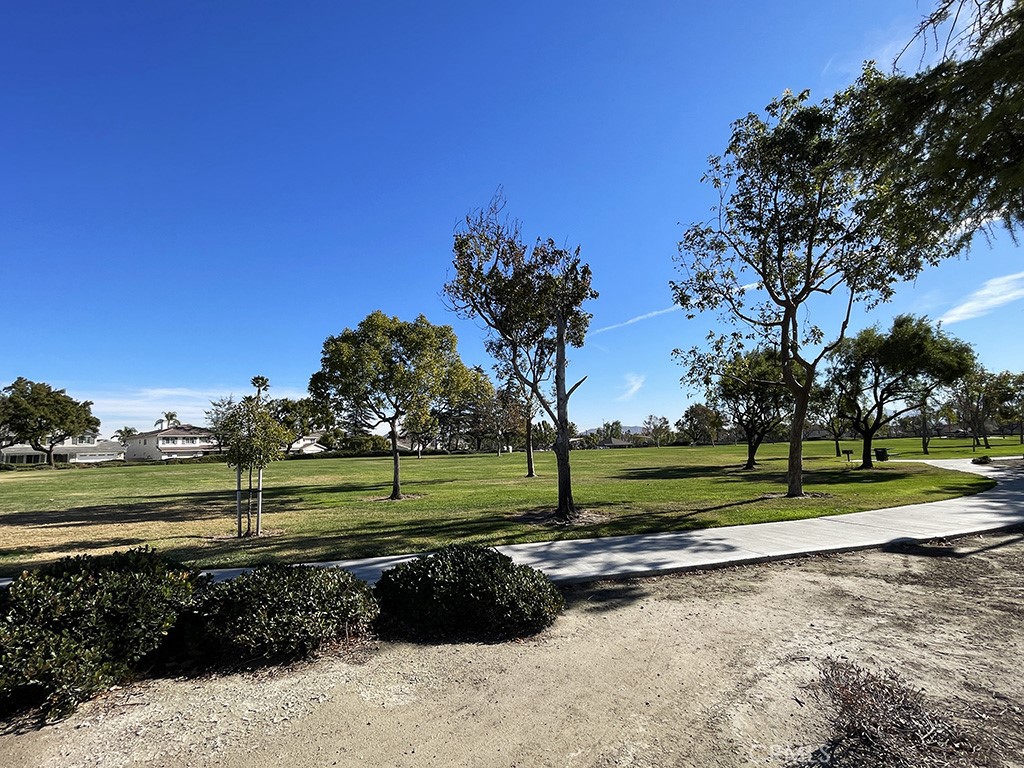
<point>952,133</point>
<point>43,417</point>
<point>700,423</point>
<point>975,400</point>
<point>885,375</point>
<point>382,371</point>
<point>531,301</point>
<point>825,409</point>
<point>7,435</point>
<point>464,407</point>
<point>753,393</point>
<point>789,251</point>
<point>658,428</point>
<point>299,417</point>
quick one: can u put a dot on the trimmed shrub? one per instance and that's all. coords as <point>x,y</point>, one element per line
<point>279,612</point>
<point>74,628</point>
<point>466,591</point>
<point>981,460</point>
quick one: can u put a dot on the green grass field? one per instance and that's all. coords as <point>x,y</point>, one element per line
<point>334,508</point>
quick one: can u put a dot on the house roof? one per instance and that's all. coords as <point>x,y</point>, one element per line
<point>182,430</point>
<point>614,442</point>
<point>103,446</point>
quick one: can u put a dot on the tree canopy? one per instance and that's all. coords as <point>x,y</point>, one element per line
<point>752,392</point>
<point>793,244</point>
<point>382,371</point>
<point>531,301</point>
<point>952,133</point>
<point>39,415</point>
<point>883,375</point>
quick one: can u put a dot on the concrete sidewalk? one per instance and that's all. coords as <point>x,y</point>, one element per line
<point>652,554</point>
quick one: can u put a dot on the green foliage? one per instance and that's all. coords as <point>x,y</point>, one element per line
<point>950,136</point>
<point>278,612</point>
<point>756,398</point>
<point>795,230</point>
<point>82,624</point>
<point>36,413</point>
<point>531,301</point>
<point>384,371</point>
<point>881,376</point>
<point>253,438</point>
<point>982,460</point>
<point>466,591</point>
<point>700,424</point>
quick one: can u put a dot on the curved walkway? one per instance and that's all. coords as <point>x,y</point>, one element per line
<point>619,557</point>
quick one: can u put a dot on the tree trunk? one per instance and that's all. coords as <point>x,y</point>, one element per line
<point>753,443</point>
<point>238,498</point>
<point>925,441</point>
<point>248,508</point>
<point>529,448</point>
<point>795,464</point>
<point>396,486</point>
<point>566,505</point>
<point>259,503</point>
<point>838,451</point>
<point>866,459</point>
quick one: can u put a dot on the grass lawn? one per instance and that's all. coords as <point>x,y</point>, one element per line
<point>333,508</point>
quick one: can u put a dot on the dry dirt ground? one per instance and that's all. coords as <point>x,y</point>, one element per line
<point>702,669</point>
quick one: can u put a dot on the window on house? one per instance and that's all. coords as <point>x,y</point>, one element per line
<point>189,440</point>
<point>169,440</point>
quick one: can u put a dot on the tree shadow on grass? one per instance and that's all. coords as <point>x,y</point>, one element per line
<point>199,506</point>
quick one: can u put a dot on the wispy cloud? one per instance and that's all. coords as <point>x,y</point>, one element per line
<point>633,384</point>
<point>637,319</point>
<point>994,293</point>
<point>141,407</point>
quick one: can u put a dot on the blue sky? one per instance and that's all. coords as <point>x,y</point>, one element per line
<point>193,193</point>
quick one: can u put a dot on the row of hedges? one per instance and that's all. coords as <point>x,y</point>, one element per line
<point>84,624</point>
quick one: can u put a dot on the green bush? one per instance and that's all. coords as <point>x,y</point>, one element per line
<point>278,612</point>
<point>981,460</point>
<point>82,624</point>
<point>466,591</point>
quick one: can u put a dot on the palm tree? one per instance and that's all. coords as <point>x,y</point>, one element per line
<point>170,418</point>
<point>124,434</point>
<point>262,384</point>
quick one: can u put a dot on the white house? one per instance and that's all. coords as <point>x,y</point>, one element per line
<point>84,449</point>
<point>181,442</point>
<point>307,444</point>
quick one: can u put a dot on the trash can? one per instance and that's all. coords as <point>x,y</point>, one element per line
<point>882,454</point>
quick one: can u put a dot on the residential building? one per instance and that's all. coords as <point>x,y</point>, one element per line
<point>84,449</point>
<point>181,442</point>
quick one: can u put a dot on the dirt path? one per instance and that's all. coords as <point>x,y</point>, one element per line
<point>692,670</point>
